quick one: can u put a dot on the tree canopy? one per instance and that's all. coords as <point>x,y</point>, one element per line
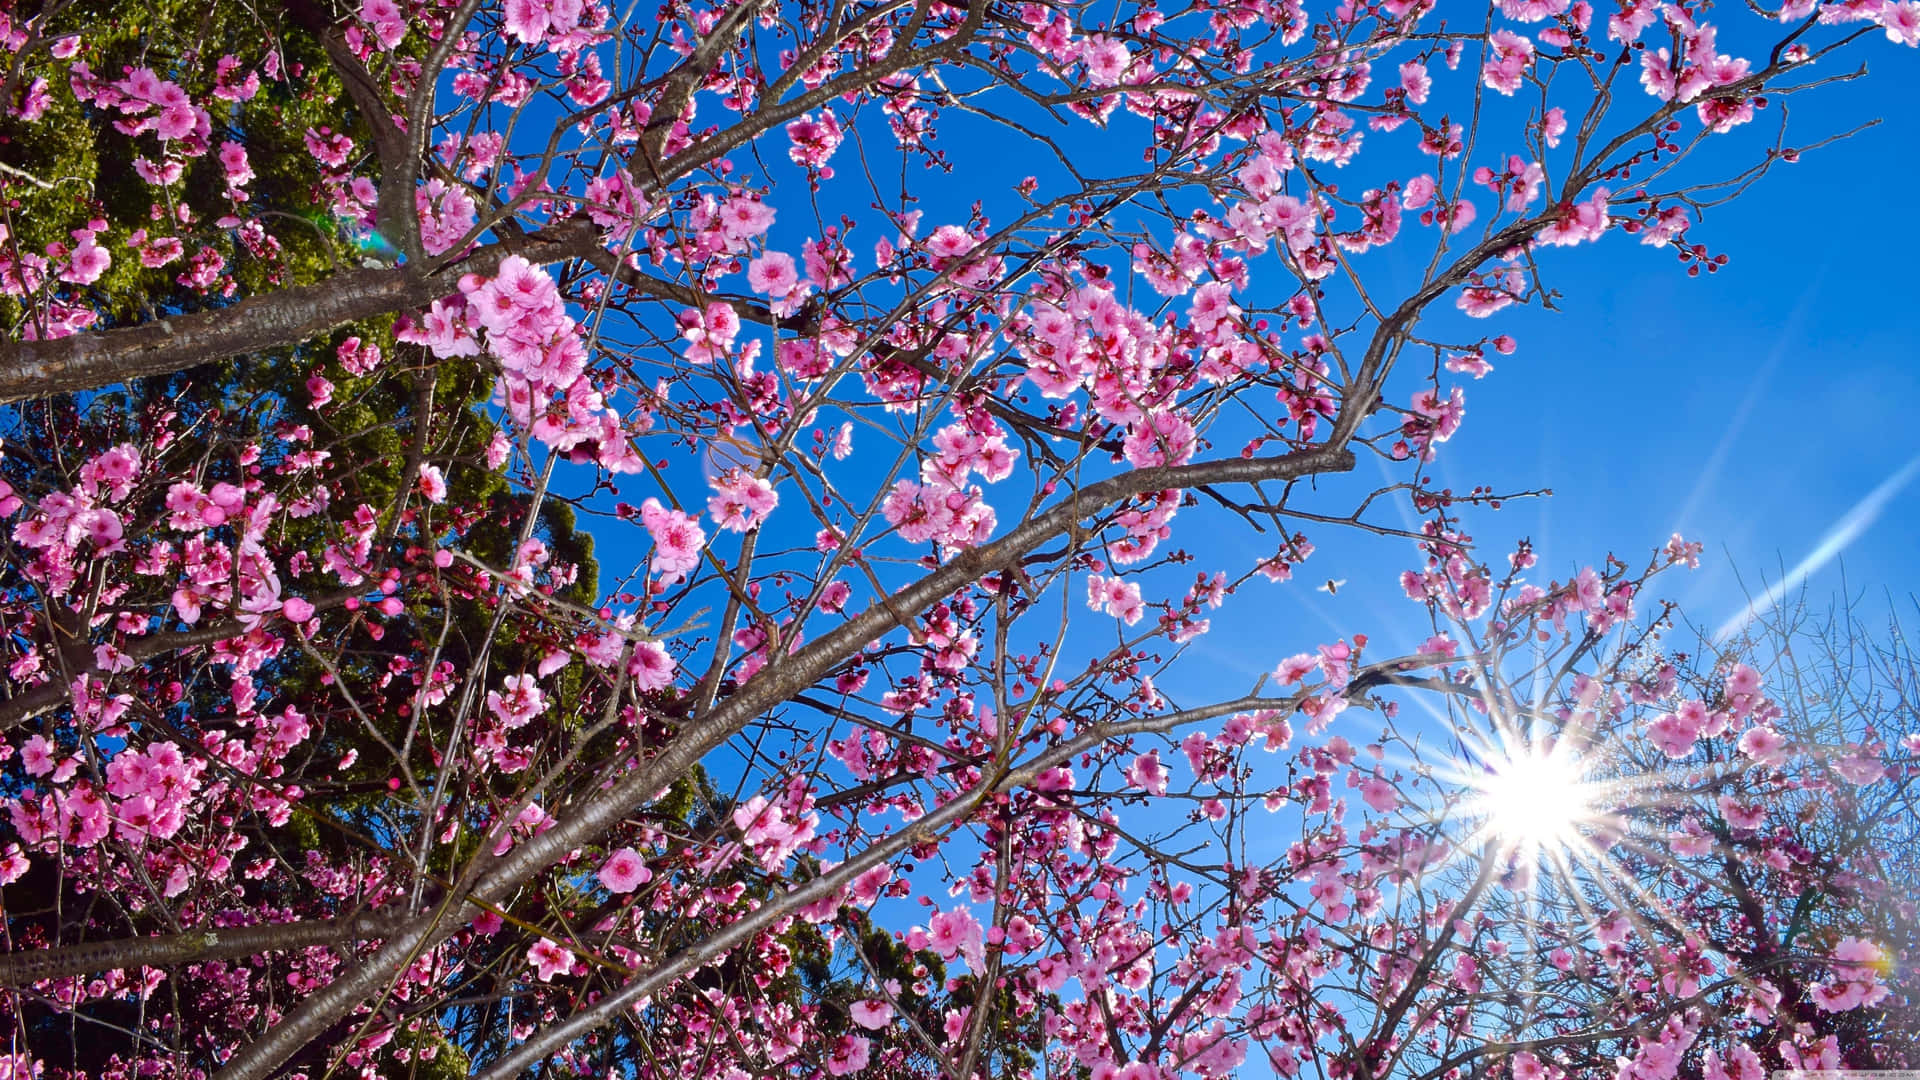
<point>552,538</point>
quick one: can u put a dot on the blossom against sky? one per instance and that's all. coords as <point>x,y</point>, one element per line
<point>1752,409</point>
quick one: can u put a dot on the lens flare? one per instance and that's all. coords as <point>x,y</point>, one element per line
<point>1535,800</point>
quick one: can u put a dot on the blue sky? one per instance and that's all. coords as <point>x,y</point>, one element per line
<point>1753,409</point>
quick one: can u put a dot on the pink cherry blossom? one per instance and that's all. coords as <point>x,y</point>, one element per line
<point>37,754</point>
<point>814,141</point>
<point>624,871</point>
<point>953,933</point>
<point>650,667</point>
<point>1148,774</point>
<point>677,538</point>
<point>1106,59</point>
<point>1415,80</point>
<point>1510,54</point>
<point>1116,597</point>
<point>741,500</point>
<point>433,483</point>
<point>773,273</point>
<point>1379,794</point>
<point>521,702</point>
<point>549,959</point>
<point>233,158</point>
<point>872,1015</point>
<point>744,217</point>
<point>387,20</point>
<point>850,1054</point>
<point>88,262</point>
<point>1902,22</point>
<point>1764,745</point>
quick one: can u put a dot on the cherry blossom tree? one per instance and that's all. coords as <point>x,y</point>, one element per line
<point>546,537</point>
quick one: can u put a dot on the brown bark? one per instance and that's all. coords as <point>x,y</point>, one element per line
<point>774,684</point>
<point>86,361</point>
<point>30,966</point>
<point>285,317</point>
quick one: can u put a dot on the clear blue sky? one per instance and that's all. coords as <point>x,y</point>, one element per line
<point>1753,409</point>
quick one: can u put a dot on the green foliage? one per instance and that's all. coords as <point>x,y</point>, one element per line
<point>79,168</point>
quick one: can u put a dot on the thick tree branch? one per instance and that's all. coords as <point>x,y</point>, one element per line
<point>32,965</point>
<point>88,361</point>
<point>524,1057</point>
<point>776,683</point>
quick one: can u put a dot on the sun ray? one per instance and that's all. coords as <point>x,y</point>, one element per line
<point>1845,531</point>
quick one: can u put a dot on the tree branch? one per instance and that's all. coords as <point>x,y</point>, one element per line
<point>88,361</point>
<point>33,965</point>
<point>774,684</point>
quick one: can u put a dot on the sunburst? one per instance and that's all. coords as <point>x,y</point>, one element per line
<point>1535,799</point>
<point>1554,813</point>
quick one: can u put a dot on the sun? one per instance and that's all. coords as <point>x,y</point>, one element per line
<point>1548,815</point>
<point>1535,799</point>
